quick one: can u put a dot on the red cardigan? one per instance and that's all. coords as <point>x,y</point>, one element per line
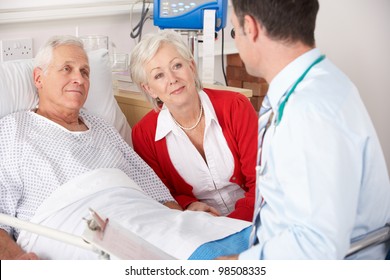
<point>239,124</point>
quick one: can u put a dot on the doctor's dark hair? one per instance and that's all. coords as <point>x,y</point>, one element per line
<point>45,54</point>
<point>284,20</point>
<point>147,48</point>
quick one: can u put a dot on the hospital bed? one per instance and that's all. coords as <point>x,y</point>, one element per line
<point>131,226</point>
<point>18,92</point>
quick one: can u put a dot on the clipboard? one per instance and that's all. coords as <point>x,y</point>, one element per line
<point>118,242</point>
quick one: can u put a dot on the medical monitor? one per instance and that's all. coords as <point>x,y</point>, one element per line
<point>188,14</point>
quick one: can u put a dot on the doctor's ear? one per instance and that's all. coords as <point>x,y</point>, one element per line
<point>251,27</point>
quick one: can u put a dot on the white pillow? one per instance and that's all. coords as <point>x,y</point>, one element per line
<point>17,89</point>
<point>18,92</point>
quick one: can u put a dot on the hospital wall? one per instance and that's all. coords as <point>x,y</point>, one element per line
<point>352,33</point>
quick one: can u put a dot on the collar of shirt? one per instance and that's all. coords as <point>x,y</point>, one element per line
<point>286,78</point>
<point>165,123</point>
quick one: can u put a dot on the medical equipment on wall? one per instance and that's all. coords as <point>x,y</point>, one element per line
<point>194,17</point>
<point>188,14</point>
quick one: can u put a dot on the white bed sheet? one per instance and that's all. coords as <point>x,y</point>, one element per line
<point>113,194</point>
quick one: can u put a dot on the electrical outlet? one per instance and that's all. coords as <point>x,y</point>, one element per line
<point>16,49</point>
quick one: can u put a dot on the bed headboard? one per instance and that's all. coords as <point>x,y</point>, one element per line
<point>18,92</point>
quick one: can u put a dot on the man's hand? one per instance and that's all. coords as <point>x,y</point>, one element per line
<point>9,250</point>
<point>27,256</point>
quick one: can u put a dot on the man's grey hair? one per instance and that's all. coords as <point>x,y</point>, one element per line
<point>45,54</point>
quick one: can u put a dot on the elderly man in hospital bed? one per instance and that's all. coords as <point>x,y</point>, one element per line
<point>58,160</point>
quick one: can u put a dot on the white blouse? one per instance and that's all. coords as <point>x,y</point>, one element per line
<point>210,179</point>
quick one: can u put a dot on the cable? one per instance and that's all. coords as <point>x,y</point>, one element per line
<point>222,56</point>
<point>132,12</point>
<point>137,30</point>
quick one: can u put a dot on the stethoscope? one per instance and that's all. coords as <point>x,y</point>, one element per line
<point>282,105</point>
<point>278,118</point>
<point>260,169</point>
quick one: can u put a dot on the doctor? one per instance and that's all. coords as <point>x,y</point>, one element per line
<point>322,177</point>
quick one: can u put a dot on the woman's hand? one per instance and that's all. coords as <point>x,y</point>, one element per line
<point>200,206</point>
<point>173,205</point>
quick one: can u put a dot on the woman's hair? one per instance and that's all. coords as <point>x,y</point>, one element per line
<point>45,54</point>
<point>147,48</point>
<point>284,20</point>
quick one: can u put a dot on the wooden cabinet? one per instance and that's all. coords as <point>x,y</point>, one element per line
<point>133,104</point>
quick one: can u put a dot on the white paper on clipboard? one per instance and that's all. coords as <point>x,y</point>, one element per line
<point>120,243</point>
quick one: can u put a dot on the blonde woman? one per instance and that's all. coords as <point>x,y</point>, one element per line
<point>200,142</point>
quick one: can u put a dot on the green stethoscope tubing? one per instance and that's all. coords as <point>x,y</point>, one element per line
<point>283,103</point>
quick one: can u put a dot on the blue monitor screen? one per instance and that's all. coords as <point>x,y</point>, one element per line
<point>188,14</point>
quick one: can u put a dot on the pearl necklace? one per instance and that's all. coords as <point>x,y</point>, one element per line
<point>195,125</point>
